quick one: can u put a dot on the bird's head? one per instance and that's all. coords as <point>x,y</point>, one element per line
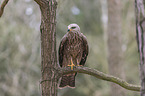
<point>73,27</point>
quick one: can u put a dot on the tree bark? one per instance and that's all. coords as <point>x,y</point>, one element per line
<point>115,54</point>
<point>140,34</point>
<point>48,47</point>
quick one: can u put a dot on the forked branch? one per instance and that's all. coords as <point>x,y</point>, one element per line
<point>100,75</point>
<point>4,3</point>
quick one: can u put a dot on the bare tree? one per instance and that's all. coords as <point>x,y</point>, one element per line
<point>140,34</point>
<point>115,53</point>
<point>50,71</point>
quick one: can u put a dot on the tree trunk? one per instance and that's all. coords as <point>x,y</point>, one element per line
<point>140,34</point>
<point>115,54</point>
<point>48,47</point>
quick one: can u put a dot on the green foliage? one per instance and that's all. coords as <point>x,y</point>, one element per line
<point>19,55</point>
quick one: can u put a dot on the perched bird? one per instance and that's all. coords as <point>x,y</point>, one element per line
<point>73,51</point>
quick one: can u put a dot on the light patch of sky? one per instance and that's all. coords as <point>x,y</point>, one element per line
<point>29,11</point>
<point>104,12</point>
<point>27,0</point>
<point>75,10</point>
<point>105,18</point>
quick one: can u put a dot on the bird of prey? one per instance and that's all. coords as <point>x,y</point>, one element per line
<point>73,51</point>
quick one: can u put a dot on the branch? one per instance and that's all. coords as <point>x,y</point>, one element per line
<point>100,75</point>
<point>38,2</point>
<point>4,3</point>
<point>42,3</point>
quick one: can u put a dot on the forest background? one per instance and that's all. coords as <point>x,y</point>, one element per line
<point>20,46</point>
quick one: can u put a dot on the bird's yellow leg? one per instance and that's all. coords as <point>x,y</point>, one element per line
<point>78,64</point>
<point>72,64</point>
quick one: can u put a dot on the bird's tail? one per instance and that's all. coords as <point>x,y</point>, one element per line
<point>67,81</point>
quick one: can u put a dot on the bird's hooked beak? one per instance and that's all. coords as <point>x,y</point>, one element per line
<point>69,30</point>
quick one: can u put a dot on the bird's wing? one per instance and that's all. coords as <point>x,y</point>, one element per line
<point>85,50</point>
<point>61,49</point>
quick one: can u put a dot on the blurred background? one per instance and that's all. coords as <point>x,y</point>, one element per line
<point>20,61</point>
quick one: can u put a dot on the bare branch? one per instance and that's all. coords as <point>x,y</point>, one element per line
<point>4,3</point>
<point>38,2</point>
<point>100,75</point>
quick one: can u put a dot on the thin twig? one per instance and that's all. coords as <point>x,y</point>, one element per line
<point>100,75</point>
<point>4,3</point>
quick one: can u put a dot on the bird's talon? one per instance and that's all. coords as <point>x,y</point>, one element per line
<point>71,66</point>
<point>78,63</point>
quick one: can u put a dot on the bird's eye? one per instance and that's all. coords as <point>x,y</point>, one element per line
<point>73,27</point>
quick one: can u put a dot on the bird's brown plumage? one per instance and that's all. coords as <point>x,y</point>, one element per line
<point>73,46</point>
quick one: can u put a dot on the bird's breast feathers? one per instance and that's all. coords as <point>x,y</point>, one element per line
<point>74,44</point>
